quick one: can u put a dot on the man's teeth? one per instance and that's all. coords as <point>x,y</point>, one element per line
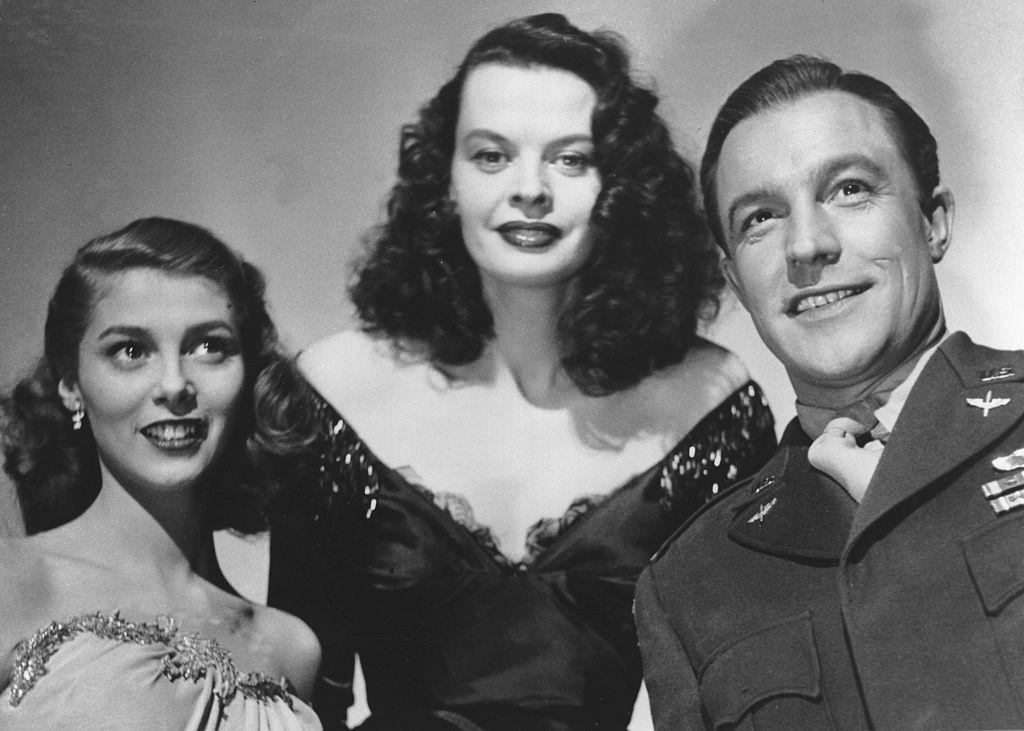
<point>820,300</point>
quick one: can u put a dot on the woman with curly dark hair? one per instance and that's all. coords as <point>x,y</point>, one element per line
<point>146,412</point>
<point>528,350</point>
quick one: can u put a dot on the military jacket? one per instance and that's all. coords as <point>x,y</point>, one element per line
<point>784,604</point>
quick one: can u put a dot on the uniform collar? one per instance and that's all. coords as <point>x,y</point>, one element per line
<point>890,411</point>
<point>944,422</point>
<point>897,384</point>
<point>792,510</point>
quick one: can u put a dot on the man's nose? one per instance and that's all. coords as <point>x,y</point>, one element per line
<point>530,192</point>
<point>812,245</point>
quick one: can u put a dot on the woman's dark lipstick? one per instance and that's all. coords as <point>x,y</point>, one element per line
<point>529,234</point>
<point>176,434</point>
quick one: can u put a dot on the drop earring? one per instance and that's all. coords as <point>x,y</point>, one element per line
<point>77,416</point>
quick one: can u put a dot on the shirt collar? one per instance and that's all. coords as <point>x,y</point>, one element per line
<point>814,418</point>
<point>890,411</point>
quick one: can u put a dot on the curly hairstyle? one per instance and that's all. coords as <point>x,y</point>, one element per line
<point>56,469</point>
<point>789,79</point>
<point>635,306</point>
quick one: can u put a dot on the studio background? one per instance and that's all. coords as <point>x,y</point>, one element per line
<point>275,124</point>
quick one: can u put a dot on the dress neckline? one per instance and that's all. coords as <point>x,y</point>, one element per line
<point>479,537</point>
<point>189,656</point>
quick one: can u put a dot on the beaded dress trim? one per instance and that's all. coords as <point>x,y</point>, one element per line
<point>188,657</point>
<point>731,440</point>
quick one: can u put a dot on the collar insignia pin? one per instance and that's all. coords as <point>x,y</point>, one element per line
<point>1010,462</point>
<point>988,403</point>
<point>762,511</point>
<point>766,482</point>
<point>995,374</point>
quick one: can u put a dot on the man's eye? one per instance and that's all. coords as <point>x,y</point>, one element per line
<point>755,218</point>
<point>852,191</point>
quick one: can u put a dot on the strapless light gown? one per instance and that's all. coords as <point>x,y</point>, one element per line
<point>103,672</point>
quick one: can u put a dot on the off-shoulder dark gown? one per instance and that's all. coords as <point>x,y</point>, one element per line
<point>450,633</point>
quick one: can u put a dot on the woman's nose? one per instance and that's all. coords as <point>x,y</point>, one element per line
<point>175,391</point>
<point>530,191</point>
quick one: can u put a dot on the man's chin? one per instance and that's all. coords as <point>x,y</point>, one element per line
<point>848,368</point>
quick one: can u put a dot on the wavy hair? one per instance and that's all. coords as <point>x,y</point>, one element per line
<point>654,273</point>
<point>56,469</point>
<point>789,79</point>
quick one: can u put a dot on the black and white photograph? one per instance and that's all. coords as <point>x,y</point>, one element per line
<point>451,364</point>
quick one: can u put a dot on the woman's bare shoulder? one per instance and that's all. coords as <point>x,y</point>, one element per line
<point>25,590</point>
<point>668,404</point>
<point>354,371</point>
<point>22,564</point>
<point>296,650</point>
<point>707,376</point>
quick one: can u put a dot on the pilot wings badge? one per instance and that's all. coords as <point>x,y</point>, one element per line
<point>1012,461</point>
<point>988,403</point>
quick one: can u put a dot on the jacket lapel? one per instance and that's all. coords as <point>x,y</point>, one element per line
<point>791,509</point>
<point>938,428</point>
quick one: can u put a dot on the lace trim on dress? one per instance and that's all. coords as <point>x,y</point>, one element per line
<point>730,441</point>
<point>460,510</point>
<point>542,534</point>
<point>188,657</point>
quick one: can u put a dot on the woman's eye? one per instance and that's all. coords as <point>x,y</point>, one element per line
<point>128,354</point>
<point>490,160</point>
<point>214,349</point>
<point>572,163</point>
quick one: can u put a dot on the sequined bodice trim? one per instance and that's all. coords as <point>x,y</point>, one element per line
<point>188,656</point>
<point>710,458</point>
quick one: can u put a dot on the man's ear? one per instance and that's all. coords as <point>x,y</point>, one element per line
<point>729,271</point>
<point>939,222</point>
<point>69,395</point>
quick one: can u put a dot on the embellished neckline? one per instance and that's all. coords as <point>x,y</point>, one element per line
<point>189,656</point>
<point>688,458</point>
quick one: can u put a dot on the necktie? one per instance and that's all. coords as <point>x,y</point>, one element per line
<point>863,413</point>
<point>837,453</point>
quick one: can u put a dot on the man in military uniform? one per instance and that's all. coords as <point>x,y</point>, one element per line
<point>872,574</point>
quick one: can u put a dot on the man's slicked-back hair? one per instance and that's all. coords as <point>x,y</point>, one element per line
<point>790,79</point>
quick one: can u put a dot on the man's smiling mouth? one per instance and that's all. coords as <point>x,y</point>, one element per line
<point>816,301</point>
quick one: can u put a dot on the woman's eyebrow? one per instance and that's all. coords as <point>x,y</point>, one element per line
<point>206,326</point>
<point>131,331</point>
<point>485,134</point>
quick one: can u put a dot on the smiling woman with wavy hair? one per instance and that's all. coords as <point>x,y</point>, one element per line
<point>527,411</point>
<point>149,422</point>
